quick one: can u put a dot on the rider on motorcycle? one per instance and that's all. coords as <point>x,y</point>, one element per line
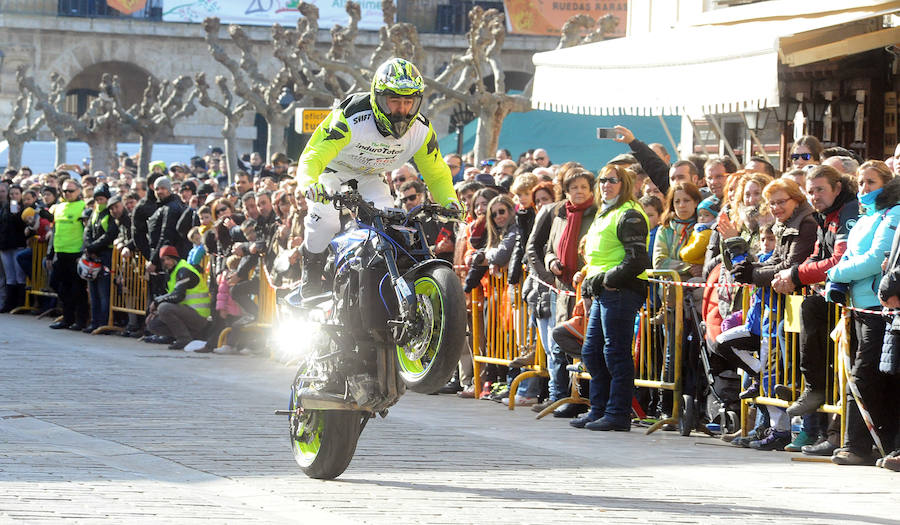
<point>366,135</point>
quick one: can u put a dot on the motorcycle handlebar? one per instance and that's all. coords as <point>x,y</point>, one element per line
<point>352,199</point>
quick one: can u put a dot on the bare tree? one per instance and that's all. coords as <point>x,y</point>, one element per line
<point>465,80</point>
<point>99,126</point>
<point>230,109</point>
<point>264,94</point>
<point>23,126</point>
<point>162,104</point>
<point>583,29</point>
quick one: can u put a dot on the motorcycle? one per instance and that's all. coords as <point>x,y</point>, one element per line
<point>395,318</point>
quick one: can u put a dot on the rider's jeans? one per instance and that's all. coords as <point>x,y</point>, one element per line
<point>323,221</point>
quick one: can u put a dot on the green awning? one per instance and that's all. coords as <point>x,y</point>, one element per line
<point>568,137</point>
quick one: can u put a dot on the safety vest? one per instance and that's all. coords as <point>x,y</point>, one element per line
<point>68,230</point>
<point>196,297</point>
<point>603,249</point>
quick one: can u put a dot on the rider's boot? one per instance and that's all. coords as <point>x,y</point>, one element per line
<point>313,271</point>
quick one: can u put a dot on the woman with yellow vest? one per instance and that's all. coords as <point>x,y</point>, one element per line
<point>183,311</point>
<point>616,260</point>
<point>68,239</point>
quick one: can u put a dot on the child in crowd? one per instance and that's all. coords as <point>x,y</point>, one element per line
<point>206,219</point>
<point>694,251</point>
<point>227,309</point>
<point>653,209</point>
<point>195,256</point>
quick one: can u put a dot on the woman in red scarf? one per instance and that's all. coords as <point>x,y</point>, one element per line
<point>552,252</point>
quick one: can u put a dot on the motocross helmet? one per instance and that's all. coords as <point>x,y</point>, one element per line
<point>396,77</point>
<point>89,268</point>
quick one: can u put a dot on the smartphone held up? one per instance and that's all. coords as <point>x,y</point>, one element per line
<point>607,133</point>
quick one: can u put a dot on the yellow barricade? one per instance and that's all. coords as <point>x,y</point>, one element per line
<point>266,299</point>
<point>37,284</point>
<point>127,289</point>
<point>780,359</point>
<point>501,332</point>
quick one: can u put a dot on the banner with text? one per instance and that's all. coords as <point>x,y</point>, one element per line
<point>269,12</point>
<point>546,17</point>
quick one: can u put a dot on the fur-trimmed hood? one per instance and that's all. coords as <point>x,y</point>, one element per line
<point>889,196</point>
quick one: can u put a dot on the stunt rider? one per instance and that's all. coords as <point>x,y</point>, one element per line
<point>366,135</point>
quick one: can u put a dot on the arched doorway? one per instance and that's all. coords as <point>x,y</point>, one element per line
<point>85,85</point>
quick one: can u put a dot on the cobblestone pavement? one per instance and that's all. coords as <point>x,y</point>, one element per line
<point>99,428</point>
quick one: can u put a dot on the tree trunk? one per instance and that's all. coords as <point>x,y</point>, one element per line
<point>103,153</point>
<point>62,148</point>
<point>277,142</point>
<point>229,133</point>
<point>146,154</point>
<point>14,158</point>
<point>487,136</point>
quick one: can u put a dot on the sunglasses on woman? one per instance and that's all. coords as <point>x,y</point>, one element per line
<point>611,180</point>
<point>501,211</point>
<point>804,156</point>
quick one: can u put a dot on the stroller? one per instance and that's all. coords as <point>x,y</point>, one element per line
<point>710,399</point>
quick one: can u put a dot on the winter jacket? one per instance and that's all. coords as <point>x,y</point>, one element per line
<point>163,228</point>
<point>694,252</point>
<point>100,230</point>
<point>140,227</point>
<point>224,301</point>
<point>12,229</point>
<point>867,243</point>
<point>541,250</point>
<point>501,255</point>
<point>669,241</point>
<point>652,164</point>
<point>795,240</point>
<point>831,239</point>
<point>525,222</point>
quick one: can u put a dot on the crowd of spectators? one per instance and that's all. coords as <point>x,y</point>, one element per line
<point>831,218</point>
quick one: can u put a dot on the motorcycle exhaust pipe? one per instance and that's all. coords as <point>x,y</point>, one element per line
<point>323,401</point>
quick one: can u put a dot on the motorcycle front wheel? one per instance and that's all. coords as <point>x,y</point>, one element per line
<point>439,331</point>
<point>323,441</point>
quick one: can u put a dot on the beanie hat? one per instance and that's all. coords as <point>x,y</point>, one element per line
<point>169,251</point>
<point>102,190</point>
<point>27,214</point>
<point>710,204</point>
<point>205,189</point>
<point>163,182</point>
<point>115,199</point>
<point>158,163</point>
<point>189,184</point>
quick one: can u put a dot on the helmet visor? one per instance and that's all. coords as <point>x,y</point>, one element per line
<point>400,109</point>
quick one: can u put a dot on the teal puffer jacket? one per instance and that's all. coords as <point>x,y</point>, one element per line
<point>869,240</point>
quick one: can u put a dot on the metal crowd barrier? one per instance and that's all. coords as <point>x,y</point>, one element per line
<point>37,284</point>
<point>127,289</point>
<point>780,357</point>
<point>501,332</point>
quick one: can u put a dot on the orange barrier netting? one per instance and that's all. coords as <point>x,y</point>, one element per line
<point>37,284</point>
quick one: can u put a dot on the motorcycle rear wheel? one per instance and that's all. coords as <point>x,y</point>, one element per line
<point>323,441</point>
<point>429,359</point>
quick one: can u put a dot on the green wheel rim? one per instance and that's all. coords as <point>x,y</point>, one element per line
<point>305,450</point>
<point>426,289</point>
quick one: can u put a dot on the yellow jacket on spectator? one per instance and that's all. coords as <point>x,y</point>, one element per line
<point>694,252</point>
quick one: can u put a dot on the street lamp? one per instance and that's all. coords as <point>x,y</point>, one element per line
<point>786,109</point>
<point>847,109</point>
<point>756,120</point>
<point>818,106</point>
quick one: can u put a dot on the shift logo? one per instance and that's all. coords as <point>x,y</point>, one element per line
<point>361,118</point>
